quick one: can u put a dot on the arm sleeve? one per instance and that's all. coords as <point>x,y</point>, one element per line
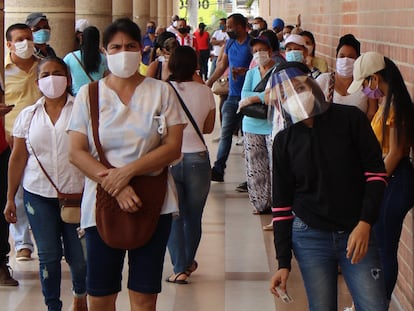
<point>283,190</point>
<point>373,167</point>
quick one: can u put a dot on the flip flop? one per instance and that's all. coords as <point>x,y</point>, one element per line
<point>192,268</point>
<point>176,280</point>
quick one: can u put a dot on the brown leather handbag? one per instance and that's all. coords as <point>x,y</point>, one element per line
<point>119,229</point>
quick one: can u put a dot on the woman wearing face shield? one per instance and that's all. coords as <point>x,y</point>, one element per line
<point>140,127</point>
<point>328,180</point>
<point>347,51</point>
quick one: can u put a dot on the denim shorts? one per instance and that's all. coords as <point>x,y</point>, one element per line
<point>105,264</point>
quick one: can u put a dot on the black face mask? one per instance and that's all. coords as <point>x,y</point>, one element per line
<point>232,34</point>
<point>182,31</point>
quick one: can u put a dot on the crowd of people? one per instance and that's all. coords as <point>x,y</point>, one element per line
<point>154,102</point>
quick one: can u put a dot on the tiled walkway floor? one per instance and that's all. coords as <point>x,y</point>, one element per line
<point>236,260</point>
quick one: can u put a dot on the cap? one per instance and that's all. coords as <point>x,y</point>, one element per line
<point>366,65</point>
<point>261,39</point>
<point>34,18</point>
<point>294,38</point>
<point>278,23</point>
<point>81,24</point>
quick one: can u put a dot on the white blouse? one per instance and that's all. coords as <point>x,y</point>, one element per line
<point>127,132</point>
<point>358,99</point>
<point>51,145</point>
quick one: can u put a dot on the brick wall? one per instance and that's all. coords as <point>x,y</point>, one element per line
<point>381,25</point>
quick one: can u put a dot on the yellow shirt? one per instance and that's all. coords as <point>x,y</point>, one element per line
<point>376,124</point>
<point>320,63</point>
<point>21,89</point>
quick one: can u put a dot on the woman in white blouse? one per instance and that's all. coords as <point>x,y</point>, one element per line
<point>347,51</point>
<point>40,131</point>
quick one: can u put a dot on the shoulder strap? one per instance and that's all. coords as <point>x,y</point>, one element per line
<point>37,159</point>
<point>331,87</point>
<point>94,107</point>
<point>188,113</point>
<point>261,86</point>
<point>83,67</point>
<point>158,74</point>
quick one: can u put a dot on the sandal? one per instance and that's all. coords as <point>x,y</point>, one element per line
<point>175,278</point>
<point>191,268</point>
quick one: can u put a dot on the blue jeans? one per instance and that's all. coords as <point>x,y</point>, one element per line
<point>192,179</point>
<point>49,231</point>
<point>229,123</point>
<point>320,252</point>
<point>398,200</point>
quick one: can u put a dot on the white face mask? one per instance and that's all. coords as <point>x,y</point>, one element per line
<point>345,66</point>
<point>261,58</point>
<point>24,49</point>
<point>175,23</point>
<point>299,106</point>
<point>53,86</point>
<point>124,64</point>
<point>310,49</point>
<point>285,35</point>
<point>256,26</point>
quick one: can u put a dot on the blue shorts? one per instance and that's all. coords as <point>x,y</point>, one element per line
<point>105,264</point>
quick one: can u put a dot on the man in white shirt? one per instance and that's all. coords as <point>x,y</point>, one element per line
<point>218,40</point>
<point>173,27</point>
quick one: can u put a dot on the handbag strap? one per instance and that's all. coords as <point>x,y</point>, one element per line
<point>37,159</point>
<point>94,107</point>
<point>188,113</point>
<point>331,87</point>
<point>260,87</point>
<point>83,67</point>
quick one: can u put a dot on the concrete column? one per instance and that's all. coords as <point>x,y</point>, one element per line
<point>170,11</point>
<point>141,12</point>
<point>162,18</point>
<point>121,8</point>
<point>61,16</point>
<point>97,12</point>
<point>154,11</point>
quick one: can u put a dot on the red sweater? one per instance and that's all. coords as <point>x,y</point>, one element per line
<point>3,142</point>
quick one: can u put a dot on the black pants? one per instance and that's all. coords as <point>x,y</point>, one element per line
<point>203,61</point>
<point>4,225</point>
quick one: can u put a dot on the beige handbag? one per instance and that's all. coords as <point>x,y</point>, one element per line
<point>221,86</point>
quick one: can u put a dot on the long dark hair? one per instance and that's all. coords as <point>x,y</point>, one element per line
<point>90,53</point>
<point>182,64</point>
<point>401,102</point>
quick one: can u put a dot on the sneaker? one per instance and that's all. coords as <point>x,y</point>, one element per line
<point>242,187</point>
<point>80,304</point>
<point>6,278</point>
<point>240,141</point>
<point>216,176</point>
<point>216,139</point>
<point>268,227</point>
<point>24,254</point>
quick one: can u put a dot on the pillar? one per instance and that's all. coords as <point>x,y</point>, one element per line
<point>61,16</point>
<point>154,11</point>
<point>141,12</point>
<point>97,12</point>
<point>162,18</point>
<point>121,8</point>
<point>2,31</point>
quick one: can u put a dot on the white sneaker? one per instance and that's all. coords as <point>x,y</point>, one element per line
<point>240,141</point>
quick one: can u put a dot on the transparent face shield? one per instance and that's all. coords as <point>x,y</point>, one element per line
<point>295,97</point>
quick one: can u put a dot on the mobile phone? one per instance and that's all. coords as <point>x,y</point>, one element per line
<point>284,296</point>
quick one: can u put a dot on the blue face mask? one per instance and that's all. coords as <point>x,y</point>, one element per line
<point>222,27</point>
<point>294,56</point>
<point>151,30</point>
<point>41,36</point>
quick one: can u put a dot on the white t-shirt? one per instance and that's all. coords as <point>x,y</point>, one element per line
<point>127,131</point>
<point>51,145</point>
<point>199,100</point>
<point>358,99</point>
<point>219,35</point>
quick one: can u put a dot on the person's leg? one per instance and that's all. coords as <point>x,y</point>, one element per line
<point>20,230</point>
<point>365,280</point>
<point>213,65</point>
<point>314,251</point>
<point>145,268</point>
<point>197,172</point>
<point>104,272</point>
<point>229,123</point>
<point>4,225</point>
<point>257,171</point>
<point>176,241</point>
<point>398,200</point>
<point>44,218</point>
<point>75,258</point>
